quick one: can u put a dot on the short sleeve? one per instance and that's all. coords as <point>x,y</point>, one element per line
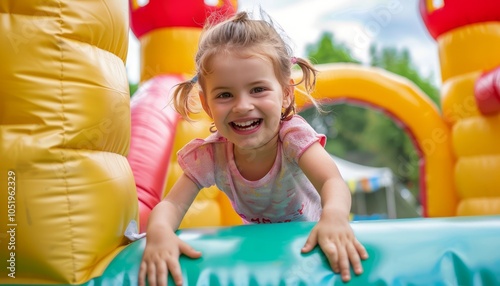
<point>197,161</point>
<point>297,135</point>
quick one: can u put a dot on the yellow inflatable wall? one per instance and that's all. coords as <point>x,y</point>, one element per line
<point>64,134</point>
<point>465,53</point>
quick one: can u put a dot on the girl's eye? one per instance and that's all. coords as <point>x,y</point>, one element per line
<point>224,95</point>
<point>258,89</point>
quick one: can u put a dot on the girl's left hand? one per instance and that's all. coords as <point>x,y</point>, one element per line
<point>337,241</point>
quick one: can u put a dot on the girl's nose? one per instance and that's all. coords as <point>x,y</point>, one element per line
<point>243,104</point>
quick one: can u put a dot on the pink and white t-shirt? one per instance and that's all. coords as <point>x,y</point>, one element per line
<point>284,194</point>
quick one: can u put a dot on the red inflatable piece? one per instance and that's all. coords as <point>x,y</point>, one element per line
<point>174,13</point>
<point>487,92</point>
<point>457,13</point>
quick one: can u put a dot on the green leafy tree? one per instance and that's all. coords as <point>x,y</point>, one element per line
<point>328,50</point>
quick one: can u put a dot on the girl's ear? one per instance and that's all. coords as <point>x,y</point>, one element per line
<point>204,103</point>
<point>288,94</point>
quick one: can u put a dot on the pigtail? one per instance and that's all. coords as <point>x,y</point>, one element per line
<point>184,101</point>
<point>309,75</point>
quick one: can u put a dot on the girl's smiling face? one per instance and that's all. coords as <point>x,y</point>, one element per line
<point>244,98</point>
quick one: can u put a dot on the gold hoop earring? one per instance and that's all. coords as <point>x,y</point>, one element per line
<point>212,128</point>
<point>283,113</point>
<point>287,113</point>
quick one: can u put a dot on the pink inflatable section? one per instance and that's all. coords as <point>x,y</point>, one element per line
<point>152,137</point>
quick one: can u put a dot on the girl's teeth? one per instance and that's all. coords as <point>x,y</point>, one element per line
<point>246,124</point>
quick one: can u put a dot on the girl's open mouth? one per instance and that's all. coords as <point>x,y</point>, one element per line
<point>246,125</point>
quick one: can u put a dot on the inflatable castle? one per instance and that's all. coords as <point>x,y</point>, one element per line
<point>82,164</point>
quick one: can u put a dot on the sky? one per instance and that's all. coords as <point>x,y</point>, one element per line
<point>355,23</point>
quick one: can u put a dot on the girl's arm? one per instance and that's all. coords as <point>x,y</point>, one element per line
<point>171,210</point>
<point>163,247</point>
<point>333,232</point>
<point>323,173</point>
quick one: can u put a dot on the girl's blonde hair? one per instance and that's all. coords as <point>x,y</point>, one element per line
<point>241,34</point>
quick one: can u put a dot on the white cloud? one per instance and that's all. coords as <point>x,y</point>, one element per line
<point>299,19</point>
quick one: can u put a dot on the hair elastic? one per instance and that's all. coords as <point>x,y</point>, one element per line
<point>293,60</point>
<point>194,79</point>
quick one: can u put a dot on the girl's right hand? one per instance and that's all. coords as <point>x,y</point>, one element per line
<point>161,256</point>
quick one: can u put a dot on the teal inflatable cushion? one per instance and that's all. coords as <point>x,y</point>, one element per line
<point>446,251</point>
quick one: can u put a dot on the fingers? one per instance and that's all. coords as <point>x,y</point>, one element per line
<point>339,260</point>
<point>332,254</point>
<point>175,267</point>
<point>156,274</point>
<point>361,250</point>
<point>151,275</point>
<point>343,265</point>
<point>156,266</point>
<point>311,242</point>
<point>175,271</point>
<point>342,254</point>
<point>142,273</point>
<point>190,252</point>
<point>354,257</point>
<point>357,252</point>
<point>161,274</point>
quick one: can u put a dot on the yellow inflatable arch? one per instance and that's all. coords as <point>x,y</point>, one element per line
<point>405,103</point>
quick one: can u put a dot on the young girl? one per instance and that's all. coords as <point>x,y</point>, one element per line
<point>268,161</point>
